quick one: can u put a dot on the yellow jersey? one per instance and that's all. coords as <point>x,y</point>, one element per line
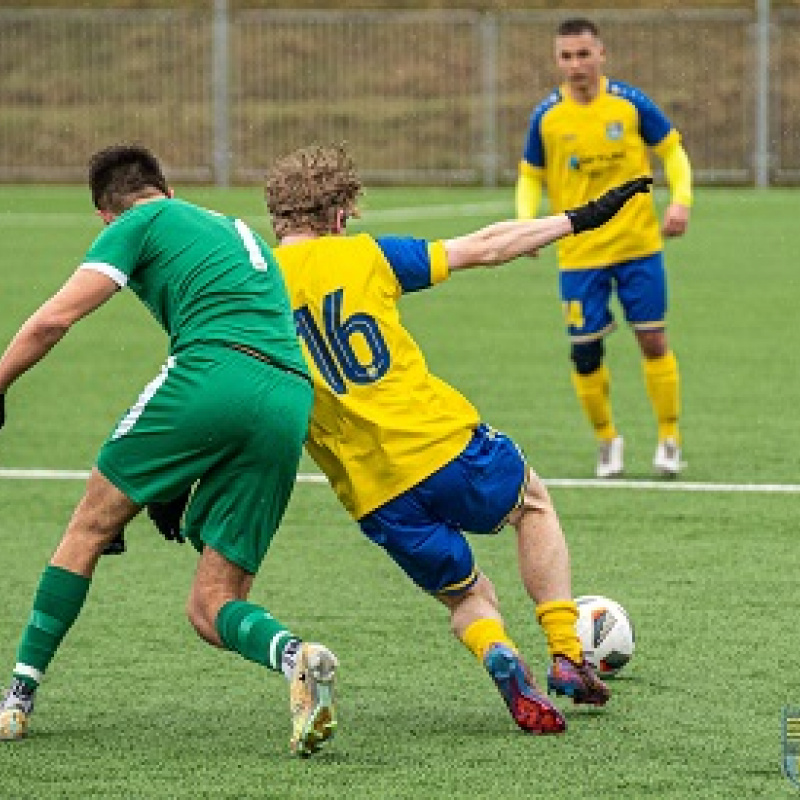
<point>582,150</point>
<point>381,421</point>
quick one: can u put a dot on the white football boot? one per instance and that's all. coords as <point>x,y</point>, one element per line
<point>16,708</point>
<point>311,699</point>
<point>609,458</point>
<point>667,460</point>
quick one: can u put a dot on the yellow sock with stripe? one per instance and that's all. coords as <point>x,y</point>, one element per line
<point>480,635</point>
<point>56,605</point>
<point>663,388</point>
<point>558,618</point>
<point>594,395</point>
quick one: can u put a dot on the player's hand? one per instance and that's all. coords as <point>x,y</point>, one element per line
<point>167,516</point>
<point>597,212</point>
<point>2,409</point>
<point>116,547</point>
<point>676,220</point>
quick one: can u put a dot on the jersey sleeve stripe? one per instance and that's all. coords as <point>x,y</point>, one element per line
<point>438,257</point>
<point>116,275</point>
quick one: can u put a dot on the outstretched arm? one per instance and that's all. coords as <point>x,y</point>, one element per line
<point>80,295</point>
<point>503,241</point>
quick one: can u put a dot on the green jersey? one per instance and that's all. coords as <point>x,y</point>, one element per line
<point>204,277</point>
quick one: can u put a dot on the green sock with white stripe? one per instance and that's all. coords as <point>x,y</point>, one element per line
<point>56,605</point>
<point>253,632</point>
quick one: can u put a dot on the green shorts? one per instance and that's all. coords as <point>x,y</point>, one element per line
<point>230,424</point>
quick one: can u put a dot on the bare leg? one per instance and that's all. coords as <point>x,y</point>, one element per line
<point>542,550</point>
<point>216,582</point>
<point>478,602</point>
<point>101,514</point>
<point>653,344</point>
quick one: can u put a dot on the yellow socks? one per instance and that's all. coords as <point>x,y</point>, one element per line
<point>663,388</point>
<point>480,635</point>
<point>558,618</point>
<point>593,392</point>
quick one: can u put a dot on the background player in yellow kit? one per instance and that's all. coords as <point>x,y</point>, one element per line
<point>588,135</point>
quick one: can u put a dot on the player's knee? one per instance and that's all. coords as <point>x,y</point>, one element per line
<point>480,600</point>
<point>481,591</point>
<point>535,500</point>
<point>484,589</point>
<point>536,495</point>
<point>92,528</point>
<point>587,356</point>
<point>653,343</point>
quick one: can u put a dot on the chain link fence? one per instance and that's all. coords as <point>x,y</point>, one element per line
<point>421,97</point>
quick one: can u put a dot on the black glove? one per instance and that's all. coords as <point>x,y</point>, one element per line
<point>597,212</point>
<point>2,409</point>
<point>116,547</point>
<point>167,516</point>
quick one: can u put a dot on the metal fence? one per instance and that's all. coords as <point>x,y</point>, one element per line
<point>421,97</point>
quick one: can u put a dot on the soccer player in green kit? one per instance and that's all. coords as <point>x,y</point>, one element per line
<point>228,415</point>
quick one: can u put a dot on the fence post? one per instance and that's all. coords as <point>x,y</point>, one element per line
<point>762,88</point>
<point>489,48</point>
<point>220,58</point>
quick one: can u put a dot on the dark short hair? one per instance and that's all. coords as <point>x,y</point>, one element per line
<point>123,173</point>
<point>576,26</point>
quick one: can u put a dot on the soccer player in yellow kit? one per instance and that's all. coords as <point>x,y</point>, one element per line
<point>408,455</point>
<point>588,135</point>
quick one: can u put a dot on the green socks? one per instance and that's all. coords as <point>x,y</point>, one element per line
<point>243,627</point>
<point>253,633</point>
<point>56,605</point>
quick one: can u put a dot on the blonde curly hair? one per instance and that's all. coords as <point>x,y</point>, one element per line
<point>305,189</point>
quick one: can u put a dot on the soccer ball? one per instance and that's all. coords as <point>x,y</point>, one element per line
<point>606,634</point>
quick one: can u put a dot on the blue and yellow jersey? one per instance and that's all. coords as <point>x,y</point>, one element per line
<point>581,150</point>
<point>381,421</point>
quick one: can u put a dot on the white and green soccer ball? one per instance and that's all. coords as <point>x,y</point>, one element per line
<point>606,634</point>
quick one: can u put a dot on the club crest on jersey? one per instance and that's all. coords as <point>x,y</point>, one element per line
<point>614,131</point>
<point>791,745</point>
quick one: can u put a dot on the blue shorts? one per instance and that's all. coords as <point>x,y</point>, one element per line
<point>423,528</point>
<point>640,284</point>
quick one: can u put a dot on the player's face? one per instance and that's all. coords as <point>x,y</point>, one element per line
<point>580,60</point>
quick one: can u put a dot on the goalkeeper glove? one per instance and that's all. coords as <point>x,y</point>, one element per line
<point>597,212</point>
<point>2,409</point>
<point>116,547</point>
<point>167,516</point>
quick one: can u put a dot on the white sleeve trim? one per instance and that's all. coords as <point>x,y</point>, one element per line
<point>116,275</point>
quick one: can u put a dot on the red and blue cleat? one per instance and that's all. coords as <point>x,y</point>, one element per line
<point>531,710</point>
<point>578,681</point>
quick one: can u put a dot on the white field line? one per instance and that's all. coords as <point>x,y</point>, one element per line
<point>568,483</point>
